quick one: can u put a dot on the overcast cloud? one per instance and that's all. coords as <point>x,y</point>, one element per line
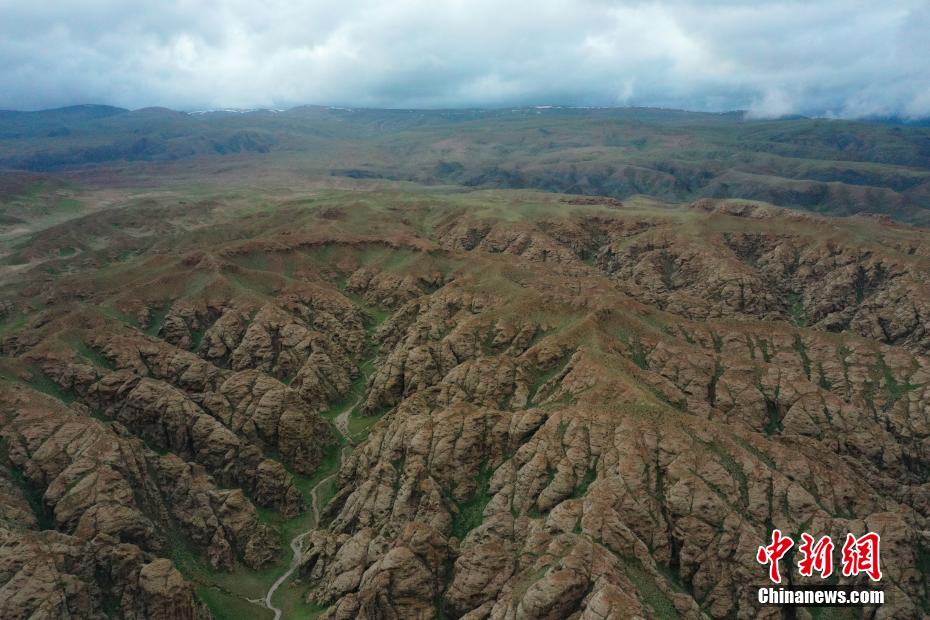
<point>832,57</point>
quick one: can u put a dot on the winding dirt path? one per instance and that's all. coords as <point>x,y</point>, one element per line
<point>341,423</point>
<point>342,420</point>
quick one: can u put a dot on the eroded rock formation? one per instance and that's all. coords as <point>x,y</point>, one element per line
<point>598,412</point>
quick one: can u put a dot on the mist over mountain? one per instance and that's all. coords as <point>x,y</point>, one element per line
<point>840,58</point>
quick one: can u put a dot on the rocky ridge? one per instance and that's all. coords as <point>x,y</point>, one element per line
<point>599,412</point>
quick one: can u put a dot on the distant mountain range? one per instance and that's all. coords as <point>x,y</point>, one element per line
<point>833,166</point>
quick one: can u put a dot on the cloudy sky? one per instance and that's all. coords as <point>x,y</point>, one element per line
<point>829,57</point>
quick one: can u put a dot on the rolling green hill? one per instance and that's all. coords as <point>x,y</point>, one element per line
<point>830,166</point>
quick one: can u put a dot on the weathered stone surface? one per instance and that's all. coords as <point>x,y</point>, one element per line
<point>591,414</point>
<point>99,480</point>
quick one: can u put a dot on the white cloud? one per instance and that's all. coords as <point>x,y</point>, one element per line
<point>841,57</point>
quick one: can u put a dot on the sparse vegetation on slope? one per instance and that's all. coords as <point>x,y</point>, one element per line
<point>495,402</point>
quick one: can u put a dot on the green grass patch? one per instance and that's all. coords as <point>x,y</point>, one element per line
<point>365,369</point>
<point>376,314</point>
<point>732,466</point>
<point>118,315</point>
<point>329,465</point>
<point>581,490</point>
<point>32,494</point>
<point>197,337</point>
<point>92,355</point>
<point>802,353</point>
<point>225,606</point>
<point>822,380</point>
<point>762,456</point>
<point>261,282</point>
<point>773,425</point>
<point>360,426</point>
<point>668,270</point>
<point>894,389</point>
<point>251,261</point>
<point>226,593</point>
<point>639,353</point>
<point>471,511</point>
<point>98,415</point>
<point>797,312</point>
<point>649,591</point>
<point>13,322</point>
<point>544,377</point>
<point>861,283</point>
<point>714,379</point>
<point>156,320</point>
<point>42,383</point>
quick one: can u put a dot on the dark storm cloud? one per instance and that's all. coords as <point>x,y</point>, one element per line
<point>833,57</point>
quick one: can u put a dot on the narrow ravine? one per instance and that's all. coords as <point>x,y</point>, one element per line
<point>341,422</point>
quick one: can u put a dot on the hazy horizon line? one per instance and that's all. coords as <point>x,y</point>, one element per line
<point>746,114</point>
